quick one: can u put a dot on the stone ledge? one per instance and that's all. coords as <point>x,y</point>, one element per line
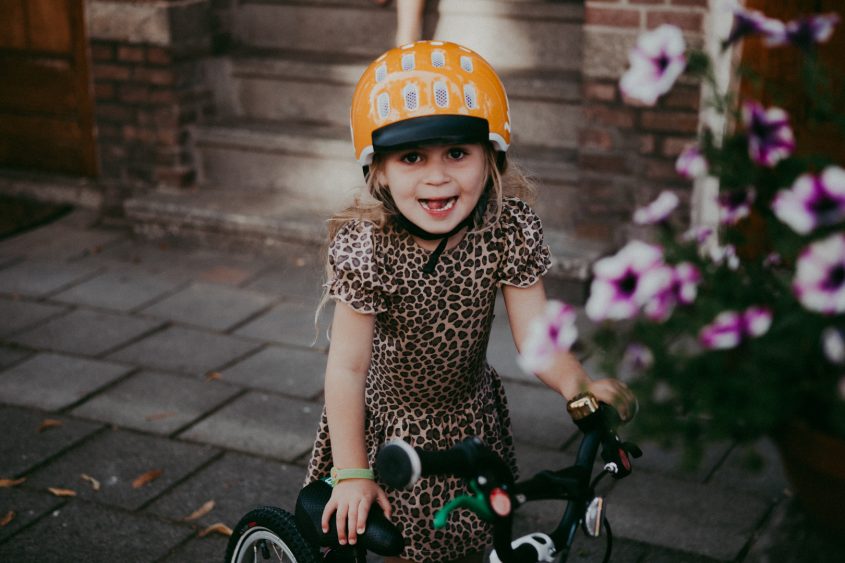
<point>167,23</point>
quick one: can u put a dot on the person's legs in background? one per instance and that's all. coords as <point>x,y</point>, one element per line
<point>409,20</point>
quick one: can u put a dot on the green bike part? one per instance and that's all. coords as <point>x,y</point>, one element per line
<point>477,502</point>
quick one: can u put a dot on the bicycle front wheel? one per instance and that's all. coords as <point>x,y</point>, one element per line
<point>268,533</point>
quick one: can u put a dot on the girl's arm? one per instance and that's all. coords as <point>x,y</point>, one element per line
<point>346,373</point>
<point>566,375</point>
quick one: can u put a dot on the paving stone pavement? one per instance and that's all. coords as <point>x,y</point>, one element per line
<point>202,371</point>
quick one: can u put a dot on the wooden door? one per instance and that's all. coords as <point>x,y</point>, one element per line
<point>46,114</point>
<point>781,66</point>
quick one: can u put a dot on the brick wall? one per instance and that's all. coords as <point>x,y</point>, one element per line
<point>148,89</point>
<point>627,151</point>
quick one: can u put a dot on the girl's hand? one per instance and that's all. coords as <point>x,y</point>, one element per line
<point>615,393</point>
<point>351,500</point>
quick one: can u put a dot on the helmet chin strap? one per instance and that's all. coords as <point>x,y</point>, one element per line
<point>416,231</point>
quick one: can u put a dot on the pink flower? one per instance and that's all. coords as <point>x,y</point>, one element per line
<point>623,283</point>
<point>682,289</point>
<point>819,282</point>
<point>735,205</point>
<point>656,63</point>
<point>730,328</point>
<point>752,22</point>
<point>691,163</point>
<point>770,138</point>
<point>553,332</point>
<point>658,210</point>
<point>813,201</point>
<point>805,32</point>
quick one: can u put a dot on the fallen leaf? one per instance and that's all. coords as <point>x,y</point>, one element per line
<point>160,416</point>
<point>49,423</point>
<point>94,483</point>
<point>213,376</point>
<point>146,478</point>
<point>62,492</point>
<point>6,483</point>
<point>218,528</point>
<point>207,507</point>
<point>7,519</point>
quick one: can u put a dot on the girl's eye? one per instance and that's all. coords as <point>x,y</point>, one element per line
<point>457,154</point>
<point>411,158</point>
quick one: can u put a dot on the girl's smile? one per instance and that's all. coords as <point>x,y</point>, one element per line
<point>436,187</point>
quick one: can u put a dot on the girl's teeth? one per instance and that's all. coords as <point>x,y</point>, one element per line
<point>438,204</point>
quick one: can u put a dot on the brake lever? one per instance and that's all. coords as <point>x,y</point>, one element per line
<point>617,456</point>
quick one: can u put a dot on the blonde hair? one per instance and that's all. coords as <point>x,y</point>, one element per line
<point>375,204</point>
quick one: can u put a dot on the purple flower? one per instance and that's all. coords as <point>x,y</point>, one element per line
<point>819,282</point>
<point>656,62</point>
<point>628,280</point>
<point>833,344</point>
<point>770,138</point>
<point>683,289</point>
<point>772,260</point>
<point>637,357</point>
<point>735,205</point>
<point>730,328</point>
<point>549,334</point>
<point>658,210</point>
<point>805,32</point>
<point>752,22</point>
<point>813,201</point>
<point>691,163</point>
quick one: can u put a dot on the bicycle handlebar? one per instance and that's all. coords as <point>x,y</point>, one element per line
<point>493,491</point>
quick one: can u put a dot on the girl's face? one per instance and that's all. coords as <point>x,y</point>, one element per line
<point>438,186</point>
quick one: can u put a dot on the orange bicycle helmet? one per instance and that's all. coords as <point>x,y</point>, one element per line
<point>427,92</point>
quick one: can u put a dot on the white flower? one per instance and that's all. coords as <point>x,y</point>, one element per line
<point>833,344</point>
<point>819,280</point>
<point>553,332</point>
<point>658,210</point>
<point>628,280</point>
<point>656,63</point>
<point>691,163</point>
<point>812,201</point>
<point>729,328</point>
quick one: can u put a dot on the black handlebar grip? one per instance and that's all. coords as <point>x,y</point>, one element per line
<point>400,465</point>
<point>380,536</point>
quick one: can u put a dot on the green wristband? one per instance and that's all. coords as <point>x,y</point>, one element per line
<point>339,475</point>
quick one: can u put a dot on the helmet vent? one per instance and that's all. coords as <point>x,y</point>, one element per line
<point>441,94</point>
<point>381,72</point>
<point>411,98</point>
<point>438,59</point>
<point>470,97</point>
<point>383,105</point>
<point>466,63</point>
<point>408,62</point>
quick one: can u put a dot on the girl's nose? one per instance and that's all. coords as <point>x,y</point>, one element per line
<point>436,173</point>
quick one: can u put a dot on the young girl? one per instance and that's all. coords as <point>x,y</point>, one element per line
<point>414,275</point>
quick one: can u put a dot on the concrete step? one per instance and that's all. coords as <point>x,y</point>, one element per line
<point>296,85</point>
<point>260,220</point>
<point>510,34</point>
<point>313,164</point>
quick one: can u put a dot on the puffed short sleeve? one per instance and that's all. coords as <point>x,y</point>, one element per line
<point>526,257</point>
<point>354,270</point>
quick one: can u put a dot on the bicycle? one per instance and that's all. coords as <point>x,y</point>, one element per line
<point>267,531</point>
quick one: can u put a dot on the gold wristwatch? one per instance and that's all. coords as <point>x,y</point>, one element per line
<point>582,405</point>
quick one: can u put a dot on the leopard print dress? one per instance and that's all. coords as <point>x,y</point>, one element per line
<point>429,382</point>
